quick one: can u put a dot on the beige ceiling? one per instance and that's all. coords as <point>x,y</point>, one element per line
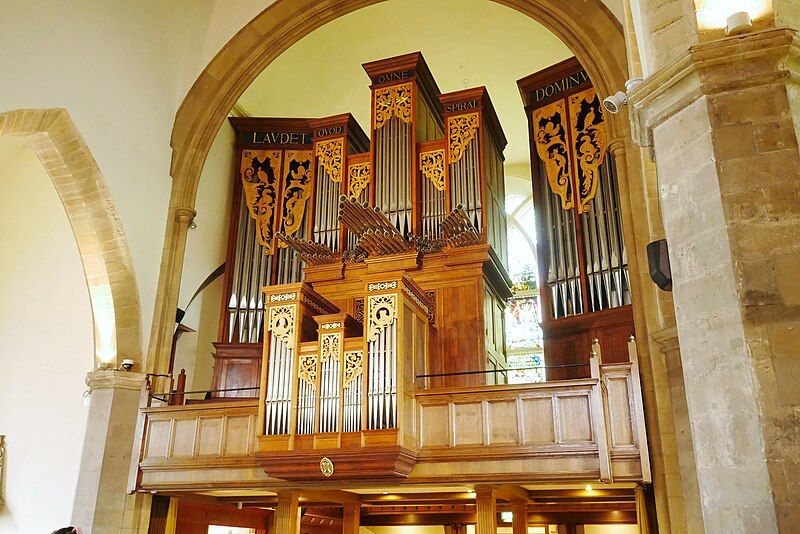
<point>466,43</point>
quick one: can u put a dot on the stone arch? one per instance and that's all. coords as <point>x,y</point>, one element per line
<point>588,28</point>
<point>95,223</point>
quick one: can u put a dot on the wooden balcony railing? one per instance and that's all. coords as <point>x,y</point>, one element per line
<point>585,429</point>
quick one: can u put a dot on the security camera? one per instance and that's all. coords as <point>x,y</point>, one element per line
<point>614,103</point>
<point>127,364</point>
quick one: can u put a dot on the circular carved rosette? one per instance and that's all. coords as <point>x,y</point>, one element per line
<point>326,466</point>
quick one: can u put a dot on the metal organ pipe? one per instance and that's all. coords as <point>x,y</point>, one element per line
<point>278,396</point>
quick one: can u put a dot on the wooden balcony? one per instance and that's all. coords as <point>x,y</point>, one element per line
<point>198,445</point>
<point>587,429</point>
<point>572,429</point>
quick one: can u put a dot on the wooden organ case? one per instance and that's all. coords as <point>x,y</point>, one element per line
<point>359,267</point>
<point>581,252</point>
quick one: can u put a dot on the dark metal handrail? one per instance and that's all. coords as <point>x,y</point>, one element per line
<point>206,391</point>
<point>460,373</point>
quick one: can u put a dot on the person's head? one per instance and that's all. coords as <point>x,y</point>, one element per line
<point>67,530</point>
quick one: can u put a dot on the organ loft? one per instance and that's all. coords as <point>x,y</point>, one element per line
<point>361,332</point>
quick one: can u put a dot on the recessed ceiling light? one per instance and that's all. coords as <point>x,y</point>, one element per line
<point>588,487</point>
<point>386,493</point>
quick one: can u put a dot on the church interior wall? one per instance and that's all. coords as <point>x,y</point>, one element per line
<point>47,346</point>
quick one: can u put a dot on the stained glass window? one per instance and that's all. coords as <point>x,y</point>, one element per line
<point>524,344</point>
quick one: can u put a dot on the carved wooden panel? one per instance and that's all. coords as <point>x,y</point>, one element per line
<point>574,418</point>
<point>538,423</point>
<point>468,424</point>
<point>435,424</point>
<point>503,427</point>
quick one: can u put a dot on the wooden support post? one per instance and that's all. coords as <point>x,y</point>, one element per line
<point>351,521</point>
<point>455,529</point>
<point>287,514</point>
<point>486,508</point>
<point>642,519</point>
<point>519,523</point>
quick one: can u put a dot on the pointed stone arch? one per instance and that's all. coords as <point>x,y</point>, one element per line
<point>102,245</point>
<point>587,27</point>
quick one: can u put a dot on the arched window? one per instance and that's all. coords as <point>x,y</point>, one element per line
<point>524,343</point>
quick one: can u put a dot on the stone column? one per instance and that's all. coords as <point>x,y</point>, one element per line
<point>287,514</point>
<point>100,498</point>
<point>486,510</point>
<point>351,520</point>
<point>169,282</point>
<point>686,474</point>
<point>723,119</point>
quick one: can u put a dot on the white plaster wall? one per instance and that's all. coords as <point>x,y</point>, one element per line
<point>121,69</point>
<point>206,246</point>
<point>46,346</point>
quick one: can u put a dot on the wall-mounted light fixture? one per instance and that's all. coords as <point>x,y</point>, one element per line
<point>738,23</point>
<point>717,14</point>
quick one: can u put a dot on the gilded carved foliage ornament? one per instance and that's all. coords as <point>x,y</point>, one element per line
<point>298,188</point>
<point>358,177</point>
<point>461,130</point>
<point>330,346</point>
<point>382,312</point>
<point>550,134</point>
<point>394,101</point>
<point>571,141</point>
<point>353,366</point>
<point>308,369</point>
<point>330,155</point>
<point>259,170</point>
<point>432,166</point>
<point>589,142</point>
<point>281,322</point>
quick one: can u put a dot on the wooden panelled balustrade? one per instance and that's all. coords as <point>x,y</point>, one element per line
<point>565,430</point>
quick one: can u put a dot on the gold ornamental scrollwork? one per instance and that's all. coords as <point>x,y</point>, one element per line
<point>381,312</point>
<point>461,130</point>
<point>550,135</point>
<point>281,322</point>
<point>589,142</point>
<point>298,184</point>
<point>308,368</point>
<point>353,366</point>
<point>394,101</point>
<point>358,178</point>
<point>259,171</point>
<point>330,346</point>
<point>330,155</point>
<point>431,164</point>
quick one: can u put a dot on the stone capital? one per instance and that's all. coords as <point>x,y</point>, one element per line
<point>115,380</point>
<point>667,339</point>
<point>706,69</point>
<point>184,215</point>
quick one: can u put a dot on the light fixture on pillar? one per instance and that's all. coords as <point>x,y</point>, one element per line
<point>734,17</point>
<point>738,23</point>
<point>614,103</point>
<point>658,261</point>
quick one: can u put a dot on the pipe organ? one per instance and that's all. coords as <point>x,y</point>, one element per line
<point>362,268</point>
<point>581,254</point>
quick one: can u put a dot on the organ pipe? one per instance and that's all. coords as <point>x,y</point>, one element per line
<point>314,196</point>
